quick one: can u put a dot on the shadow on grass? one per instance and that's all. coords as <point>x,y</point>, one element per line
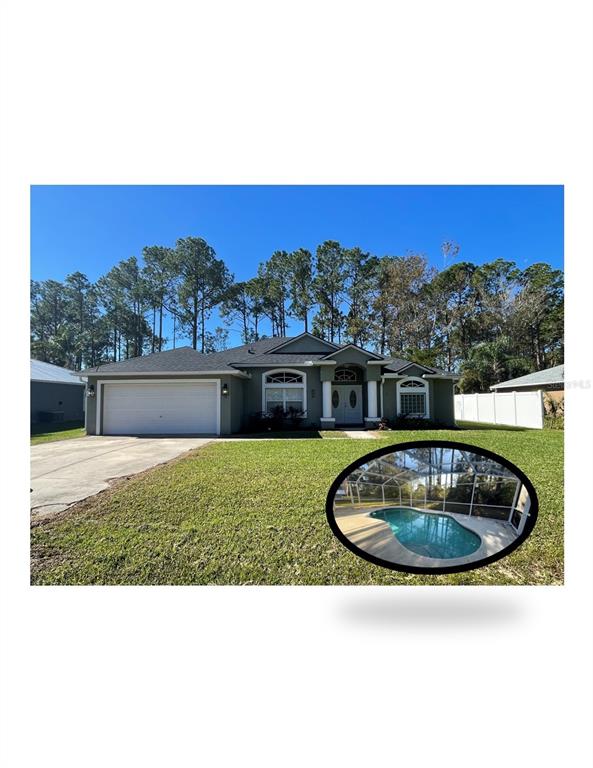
<point>304,434</point>
<point>45,428</point>
<point>476,425</point>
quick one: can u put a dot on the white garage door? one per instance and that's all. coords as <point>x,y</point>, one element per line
<point>163,408</point>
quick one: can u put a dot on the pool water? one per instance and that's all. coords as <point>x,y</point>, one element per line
<point>429,534</point>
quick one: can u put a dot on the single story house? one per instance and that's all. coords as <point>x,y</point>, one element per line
<point>55,394</point>
<point>550,380</point>
<point>182,391</point>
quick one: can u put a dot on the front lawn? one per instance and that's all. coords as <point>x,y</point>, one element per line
<point>296,434</point>
<point>64,430</point>
<point>254,513</point>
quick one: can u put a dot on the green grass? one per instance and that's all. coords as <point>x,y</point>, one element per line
<point>253,513</point>
<point>480,425</point>
<point>64,430</point>
<point>297,434</point>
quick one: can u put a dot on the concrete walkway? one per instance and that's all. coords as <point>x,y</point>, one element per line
<point>359,434</point>
<point>67,471</point>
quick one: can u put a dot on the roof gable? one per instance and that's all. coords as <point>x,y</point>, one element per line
<point>397,365</point>
<point>306,343</point>
<point>352,349</point>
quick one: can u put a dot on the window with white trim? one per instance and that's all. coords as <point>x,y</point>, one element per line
<point>345,375</point>
<point>284,392</point>
<point>284,377</point>
<point>413,397</point>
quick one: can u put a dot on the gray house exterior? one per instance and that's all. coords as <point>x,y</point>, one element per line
<point>182,391</point>
<point>56,393</point>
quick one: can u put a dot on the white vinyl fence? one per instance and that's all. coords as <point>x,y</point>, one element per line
<point>516,409</point>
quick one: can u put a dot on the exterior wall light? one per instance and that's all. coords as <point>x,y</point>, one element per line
<point>225,390</point>
<point>90,390</point>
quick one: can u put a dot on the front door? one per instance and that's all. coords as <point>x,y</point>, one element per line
<point>347,403</point>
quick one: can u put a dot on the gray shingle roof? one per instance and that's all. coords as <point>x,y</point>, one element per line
<point>53,374</point>
<point>396,364</point>
<point>543,378</point>
<point>278,358</point>
<point>182,359</point>
<point>188,360</point>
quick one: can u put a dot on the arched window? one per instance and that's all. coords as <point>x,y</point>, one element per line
<point>284,377</point>
<point>345,375</point>
<point>412,397</point>
<point>284,392</point>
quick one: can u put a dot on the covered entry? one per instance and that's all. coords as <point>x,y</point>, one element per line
<point>347,395</point>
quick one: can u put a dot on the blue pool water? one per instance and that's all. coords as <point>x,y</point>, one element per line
<point>429,534</point>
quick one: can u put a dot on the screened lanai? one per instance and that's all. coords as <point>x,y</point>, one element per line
<point>448,480</point>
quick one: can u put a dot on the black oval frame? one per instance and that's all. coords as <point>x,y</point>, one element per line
<point>529,525</point>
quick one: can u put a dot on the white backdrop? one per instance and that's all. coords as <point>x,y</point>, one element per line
<point>318,92</point>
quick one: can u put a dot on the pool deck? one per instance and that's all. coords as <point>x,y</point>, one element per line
<point>376,537</point>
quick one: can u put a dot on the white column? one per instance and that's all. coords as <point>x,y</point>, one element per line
<point>327,420</point>
<point>327,399</point>
<point>372,399</point>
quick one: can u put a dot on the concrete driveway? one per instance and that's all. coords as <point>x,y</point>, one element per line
<point>66,471</point>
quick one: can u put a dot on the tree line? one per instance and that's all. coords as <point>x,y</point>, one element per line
<point>490,322</point>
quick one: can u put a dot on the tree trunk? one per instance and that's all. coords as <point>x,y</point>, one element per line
<point>194,321</point>
<point>245,325</point>
<point>161,326</point>
<point>202,328</point>
<point>152,349</point>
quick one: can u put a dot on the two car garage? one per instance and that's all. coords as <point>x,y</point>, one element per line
<point>165,407</point>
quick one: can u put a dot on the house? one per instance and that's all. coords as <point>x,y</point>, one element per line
<point>55,394</point>
<point>182,391</point>
<point>550,380</point>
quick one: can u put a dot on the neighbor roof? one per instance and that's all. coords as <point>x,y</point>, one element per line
<point>53,374</point>
<point>543,378</point>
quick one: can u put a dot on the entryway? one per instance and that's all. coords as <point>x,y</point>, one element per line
<point>347,403</point>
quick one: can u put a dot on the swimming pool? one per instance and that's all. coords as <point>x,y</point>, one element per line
<point>429,534</point>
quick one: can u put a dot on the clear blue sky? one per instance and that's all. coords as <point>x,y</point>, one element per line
<point>91,228</point>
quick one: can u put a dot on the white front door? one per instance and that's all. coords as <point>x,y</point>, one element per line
<point>347,403</point>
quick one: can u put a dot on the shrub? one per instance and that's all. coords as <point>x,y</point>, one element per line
<point>276,420</point>
<point>554,412</point>
<point>415,422</point>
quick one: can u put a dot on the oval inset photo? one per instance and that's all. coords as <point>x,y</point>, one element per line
<point>432,507</point>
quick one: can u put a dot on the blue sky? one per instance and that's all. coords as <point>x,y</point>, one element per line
<point>91,228</point>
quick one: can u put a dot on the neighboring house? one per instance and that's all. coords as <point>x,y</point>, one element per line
<point>550,380</point>
<point>56,393</point>
<point>182,391</point>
